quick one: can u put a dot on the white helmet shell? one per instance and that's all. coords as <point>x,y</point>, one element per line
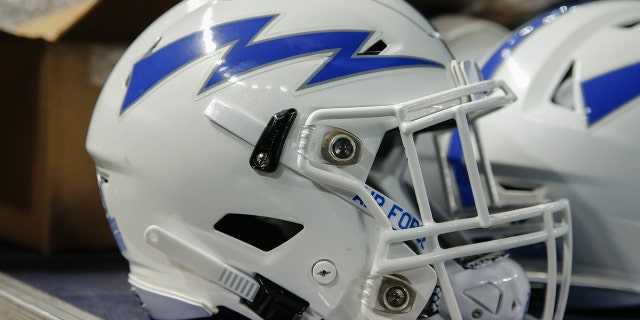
<point>573,131</point>
<point>232,143</point>
<point>468,37</point>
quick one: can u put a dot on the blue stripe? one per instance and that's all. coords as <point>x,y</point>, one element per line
<point>517,37</point>
<point>116,233</point>
<point>455,157</point>
<point>608,92</point>
<point>246,55</point>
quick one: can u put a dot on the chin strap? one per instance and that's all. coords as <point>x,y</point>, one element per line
<point>266,298</point>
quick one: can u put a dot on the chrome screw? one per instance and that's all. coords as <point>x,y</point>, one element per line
<point>342,148</point>
<point>262,160</point>
<point>396,298</point>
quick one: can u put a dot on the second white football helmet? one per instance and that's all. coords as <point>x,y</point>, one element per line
<point>573,133</point>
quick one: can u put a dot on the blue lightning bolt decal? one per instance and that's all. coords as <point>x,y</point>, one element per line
<point>610,91</point>
<point>517,37</point>
<point>245,55</point>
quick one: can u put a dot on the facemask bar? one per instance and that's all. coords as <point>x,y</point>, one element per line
<point>411,117</point>
<point>468,72</point>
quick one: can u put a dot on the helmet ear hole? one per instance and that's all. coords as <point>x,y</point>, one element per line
<point>261,232</point>
<point>630,25</point>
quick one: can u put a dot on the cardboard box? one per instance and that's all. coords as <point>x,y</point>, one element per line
<point>48,193</point>
<point>49,197</point>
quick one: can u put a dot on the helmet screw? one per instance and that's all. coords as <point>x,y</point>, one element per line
<point>342,147</point>
<point>396,298</point>
<point>324,272</point>
<point>476,314</point>
<point>262,160</point>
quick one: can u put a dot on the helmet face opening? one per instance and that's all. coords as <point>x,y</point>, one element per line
<point>243,161</point>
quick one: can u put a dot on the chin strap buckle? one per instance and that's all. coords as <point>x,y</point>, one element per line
<point>273,302</point>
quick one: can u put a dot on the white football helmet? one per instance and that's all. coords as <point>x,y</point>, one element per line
<point>469,37</point>
<point>572,134</point>
<point>233,142</point>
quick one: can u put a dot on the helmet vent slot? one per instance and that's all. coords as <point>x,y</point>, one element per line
<point>563,95</point>
<point>261,232</point>
<point>375,49</point>
<point>514,187</point>
<point>630,25</point>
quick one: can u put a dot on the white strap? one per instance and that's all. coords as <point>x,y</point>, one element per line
<point>202,263</point>
<point>249,129</point>
<point>208,266</point>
